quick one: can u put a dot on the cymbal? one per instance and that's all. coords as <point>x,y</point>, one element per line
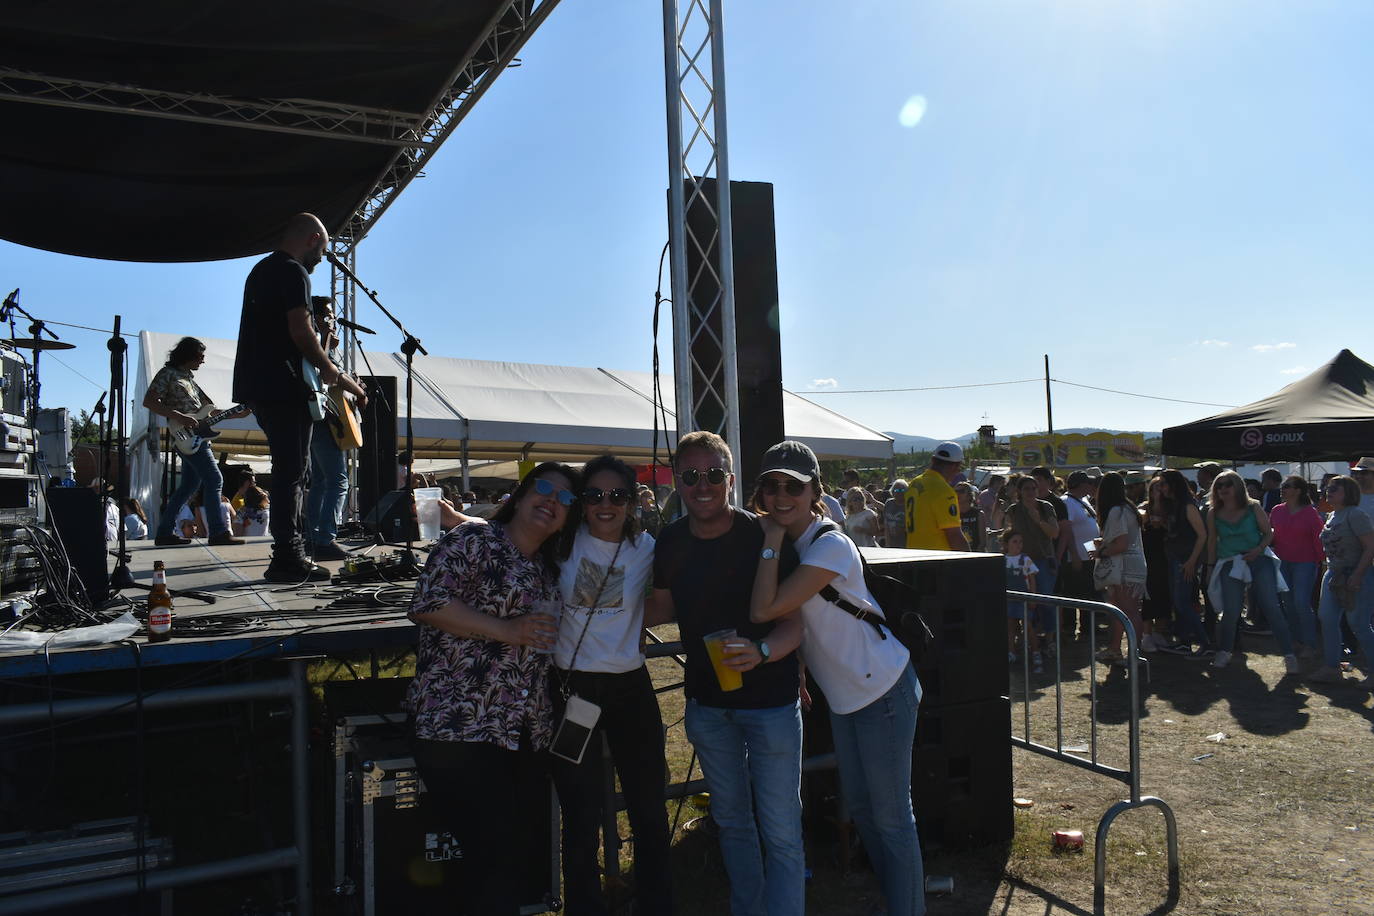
<point>36,343</point>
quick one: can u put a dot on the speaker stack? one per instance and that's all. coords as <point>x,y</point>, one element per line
<point>961,764</point>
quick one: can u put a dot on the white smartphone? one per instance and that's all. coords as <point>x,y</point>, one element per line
<point>575,730</point>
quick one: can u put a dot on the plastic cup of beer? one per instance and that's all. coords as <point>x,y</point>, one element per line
<point>549,608</point>
<point>728,678</point>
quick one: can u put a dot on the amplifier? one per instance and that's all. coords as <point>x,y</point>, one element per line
<point>19,564</point>
<point>14,387</point>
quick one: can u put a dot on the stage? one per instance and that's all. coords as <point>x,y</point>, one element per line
<point>251,618</point>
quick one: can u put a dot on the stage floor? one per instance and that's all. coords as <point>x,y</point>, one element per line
<point>250,616</point>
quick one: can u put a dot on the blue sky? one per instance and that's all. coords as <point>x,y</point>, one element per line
<point>1171,198</point>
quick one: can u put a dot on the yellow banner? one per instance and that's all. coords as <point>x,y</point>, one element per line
<point>524,467</point>
<point>1077,450</point>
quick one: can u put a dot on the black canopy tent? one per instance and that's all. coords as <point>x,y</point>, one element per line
<point>1325,416</point>
<point>173,131</point>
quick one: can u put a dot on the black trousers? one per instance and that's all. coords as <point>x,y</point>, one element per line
<point>633,728</point>
<point>287,425</point>
<point>489,796</point>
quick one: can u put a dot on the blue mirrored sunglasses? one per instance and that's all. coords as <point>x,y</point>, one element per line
<point>546,488</point>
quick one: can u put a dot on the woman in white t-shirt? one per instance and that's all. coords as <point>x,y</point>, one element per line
<point>599,657</point>
<point>864,670</point>
<point>860,523</point>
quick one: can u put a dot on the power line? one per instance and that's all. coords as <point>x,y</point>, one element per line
<point>1152,397</point>
<point>1019,381</point>
<point>83,327</point>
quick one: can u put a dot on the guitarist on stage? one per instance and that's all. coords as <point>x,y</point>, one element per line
<point>173,393</point>
<point>276,332</point>
<point>328,463</point>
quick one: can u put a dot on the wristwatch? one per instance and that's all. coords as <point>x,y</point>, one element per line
<point>763,649</point>
<point>768,554</point>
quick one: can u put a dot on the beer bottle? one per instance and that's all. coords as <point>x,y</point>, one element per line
<point>159,606</point>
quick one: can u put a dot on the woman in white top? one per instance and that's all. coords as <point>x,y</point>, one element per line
<point>599,657</point>
<point>860,522</point>
<point>864,670</point>
<point>1120,567</point>
<point>135,522</point>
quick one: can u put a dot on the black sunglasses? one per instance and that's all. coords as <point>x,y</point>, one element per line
<point>592,496</point>
<point>714,476</point>
<point>768,486</point>
<point>546,488</point>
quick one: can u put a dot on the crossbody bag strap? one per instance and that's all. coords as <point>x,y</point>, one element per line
<point>565,681</point>
<point>829,592</point>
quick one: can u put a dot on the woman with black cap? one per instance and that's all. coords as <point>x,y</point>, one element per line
<point>865,671</point>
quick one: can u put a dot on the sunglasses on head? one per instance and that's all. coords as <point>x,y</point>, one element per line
<point>714,476</point>
<point>546,488</point>
<point>769,486</point>
<point>619,496</point>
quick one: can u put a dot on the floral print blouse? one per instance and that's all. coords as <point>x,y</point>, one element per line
<point>475,689</point>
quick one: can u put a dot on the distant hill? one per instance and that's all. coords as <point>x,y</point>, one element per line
<point>902,442</point>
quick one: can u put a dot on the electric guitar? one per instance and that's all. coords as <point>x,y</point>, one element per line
<point>316,395</point>
<point>345,420</point>
<point>189,439</point>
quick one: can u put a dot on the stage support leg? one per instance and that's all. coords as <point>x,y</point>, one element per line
<point>300,782</point>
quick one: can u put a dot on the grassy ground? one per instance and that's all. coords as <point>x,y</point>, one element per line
<point>1273,817</point>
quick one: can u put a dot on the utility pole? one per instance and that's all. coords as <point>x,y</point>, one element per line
<point>1049,413</point>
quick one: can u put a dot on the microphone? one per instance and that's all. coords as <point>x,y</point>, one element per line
<point>11,301</point>
<point>353,326</point>
<point>100,404</point>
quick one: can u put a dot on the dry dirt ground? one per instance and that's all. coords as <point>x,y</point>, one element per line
<point>1274,816</point>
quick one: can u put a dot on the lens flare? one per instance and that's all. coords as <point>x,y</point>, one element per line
<point>913,111</point>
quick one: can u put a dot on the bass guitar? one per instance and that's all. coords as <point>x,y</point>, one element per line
<point>189,439</point>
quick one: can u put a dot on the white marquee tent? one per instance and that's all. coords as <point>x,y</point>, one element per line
<point>479,409</point>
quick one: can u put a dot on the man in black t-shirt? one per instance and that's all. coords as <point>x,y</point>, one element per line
<point>276,332</point>
<point>748,739</point>
<point>1046,581</point>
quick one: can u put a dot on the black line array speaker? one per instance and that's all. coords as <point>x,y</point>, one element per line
<point>962,598</point>
<point>78,520</point>
<point>377,457</point>
<point>758,345</point>
<point>961,761</point>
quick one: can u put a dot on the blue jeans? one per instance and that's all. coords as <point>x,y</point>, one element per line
<point>1046,616</point>
<point>1297,601</point>
<point>1330,611</point>
<point>328,487</point>
<point>198,472</point>
<point>1188,624</point>
<point>751,759</point>
<point>1264,592</point>
<point>873,749</point>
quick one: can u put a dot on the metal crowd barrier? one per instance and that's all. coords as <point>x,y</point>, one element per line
<point>294,688</point>
<point>1129,776</point>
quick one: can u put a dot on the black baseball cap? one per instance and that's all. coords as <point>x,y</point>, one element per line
<point>793,458</point>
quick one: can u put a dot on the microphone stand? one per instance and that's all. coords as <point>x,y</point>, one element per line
<point>120,577</point>
<point>37,329</point>
<point>409,345</point>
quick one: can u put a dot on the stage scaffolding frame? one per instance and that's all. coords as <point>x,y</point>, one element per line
<point>415,136</point>
<point>707,375</point>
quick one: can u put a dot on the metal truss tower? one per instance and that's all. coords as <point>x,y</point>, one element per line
<point>704,367</point>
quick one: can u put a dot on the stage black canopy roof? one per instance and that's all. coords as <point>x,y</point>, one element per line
<point>1326,416</point>
<point>357,95</point>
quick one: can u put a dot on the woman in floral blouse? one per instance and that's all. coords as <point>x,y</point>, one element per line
<point>480,698</point>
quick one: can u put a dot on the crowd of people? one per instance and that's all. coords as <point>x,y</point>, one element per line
<point>1196,565</point>
<point>532,618</point>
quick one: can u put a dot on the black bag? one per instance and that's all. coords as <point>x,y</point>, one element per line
<point>896,600</point>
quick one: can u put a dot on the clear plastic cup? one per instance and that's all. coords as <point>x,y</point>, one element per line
<point>549,608</point>
<point>427,511</point>
<point>728,678</point>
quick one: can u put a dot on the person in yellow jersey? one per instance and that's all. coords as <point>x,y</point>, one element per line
<point>932,507</point>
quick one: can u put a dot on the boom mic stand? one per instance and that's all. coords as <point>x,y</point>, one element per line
<point>409,345</point>
<point>121,578</point>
